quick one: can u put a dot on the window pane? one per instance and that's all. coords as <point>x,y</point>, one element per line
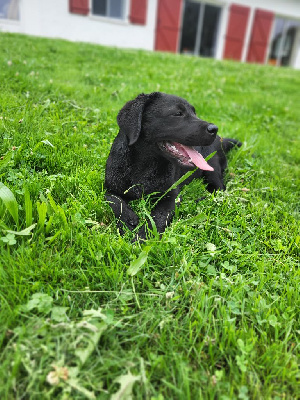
<point>116,8</point>
<point>9,9</point>
<point>189,27</point>
<point>209,31</point>
<point>283,41</point>
<point>99,7</point>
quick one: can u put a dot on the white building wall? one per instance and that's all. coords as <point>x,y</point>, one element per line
<point>51,18</point>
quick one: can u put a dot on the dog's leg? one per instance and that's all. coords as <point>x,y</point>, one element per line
<point>214,180</point>
<point>214,184</point>
<point>162,214</point>
<point>228,144</point>
<point>124,214</point>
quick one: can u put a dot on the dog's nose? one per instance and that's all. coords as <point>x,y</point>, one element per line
<point>212,129</point>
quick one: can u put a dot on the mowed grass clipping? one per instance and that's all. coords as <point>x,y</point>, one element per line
<point>209,311</point>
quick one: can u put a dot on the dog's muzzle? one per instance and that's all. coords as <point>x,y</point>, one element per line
<point>212,129</point>
<point>185,155</point>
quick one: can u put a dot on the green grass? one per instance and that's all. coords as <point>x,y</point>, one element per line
<point>210,311</point>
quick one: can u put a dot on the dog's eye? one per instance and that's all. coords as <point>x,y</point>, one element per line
<point>178,114</point>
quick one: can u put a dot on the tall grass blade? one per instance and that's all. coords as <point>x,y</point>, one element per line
<point>49,224</point>
<point>46,141</point>
<point>28,208</point>
<point>174,186</point>
<point>138,263</point>
<point>59,211</point>
<point>183,178</point>
<point>53,204</point>
<point>3,225</point>
<point>62,216</point>
<point>24,232</point>
<point>42,211</point>
<point>6,160</point>
<point>10,202</point>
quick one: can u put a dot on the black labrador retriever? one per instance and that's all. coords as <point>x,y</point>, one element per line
<point>160,139</point>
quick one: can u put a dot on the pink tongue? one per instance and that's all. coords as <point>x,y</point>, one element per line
<point>197,158</point>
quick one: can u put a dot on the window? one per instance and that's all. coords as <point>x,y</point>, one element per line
<point>283,44</point>
<point>9,9</point>
<point>109,8</point>
<point>200,29</point>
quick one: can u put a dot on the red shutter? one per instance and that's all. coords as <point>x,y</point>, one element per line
<point>138,12</point>
<point>167,25</point>
<point>236,31</point>
<point>261,30</point>
<point>79,6</point>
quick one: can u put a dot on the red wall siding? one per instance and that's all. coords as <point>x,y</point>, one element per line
<point>167,26</point>
<point>236,31</point>
<point>259,40</point>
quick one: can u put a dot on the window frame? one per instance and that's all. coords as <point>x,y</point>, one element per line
<point>107,18</point>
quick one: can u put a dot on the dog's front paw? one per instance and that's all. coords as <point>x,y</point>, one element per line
<point>140,235</point>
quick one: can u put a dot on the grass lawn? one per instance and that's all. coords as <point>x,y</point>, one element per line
<point>210,311</point>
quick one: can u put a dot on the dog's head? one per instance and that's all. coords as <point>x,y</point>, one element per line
<point>170,124</point>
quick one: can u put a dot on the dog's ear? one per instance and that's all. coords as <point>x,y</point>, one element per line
<point>130,116</point>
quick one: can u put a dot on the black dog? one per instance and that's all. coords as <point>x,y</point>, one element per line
<point>160,139</point>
